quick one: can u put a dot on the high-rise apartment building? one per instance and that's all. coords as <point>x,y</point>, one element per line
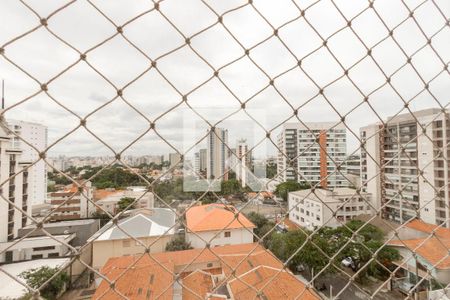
<point>404,165</point>
<point>241,161</point>
<point>36,135</point>
<point>315,152</point>
<point>217,154</point>
<point>203,158</point>
<point>174,159</point>
<point>15,189</point>
<point>200,159</point>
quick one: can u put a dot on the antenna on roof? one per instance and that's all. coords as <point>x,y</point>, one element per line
<point>3,94</point>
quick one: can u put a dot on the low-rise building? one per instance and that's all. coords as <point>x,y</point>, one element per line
<point>36,248</point>
<point>224,272</point>
<point>153,228</point>
<point>216,224</point>
<point>109,203</point>
<point>15,289</point>
<point>83,230</point>
<point>424,250</point>
<point>72,203</point>
<point>316,208</point>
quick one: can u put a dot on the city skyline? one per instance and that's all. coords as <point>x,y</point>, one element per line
<point>82,91</point>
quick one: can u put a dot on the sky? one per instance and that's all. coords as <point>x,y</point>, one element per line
<point>88,89</point>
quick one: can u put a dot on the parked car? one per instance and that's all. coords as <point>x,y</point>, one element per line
<point>347,262</point>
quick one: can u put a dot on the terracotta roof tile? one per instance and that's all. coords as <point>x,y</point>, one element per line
<point>428,228</point>
<point>197,285</point>
<point>145,280</point>
<point>213,217</point>
<point>257,269</point>
<point>103,193</point>
<point>272,283</point>
<point>433,250</point>
<point>244,262</point>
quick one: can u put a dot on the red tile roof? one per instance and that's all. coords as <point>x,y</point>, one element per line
<point>197,285</point>
<point>103,193</point>
<point>428,228</point>
<point>145,280</point>
<point>253,264</point>
<point>270,283</point>
<point>214,217</point>
<point>434,249</point>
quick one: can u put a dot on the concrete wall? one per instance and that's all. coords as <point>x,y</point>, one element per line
<point>238,236</point>
<point>103,250</point>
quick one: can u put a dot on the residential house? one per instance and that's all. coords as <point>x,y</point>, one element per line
<point>217,225</point>
<point>141,228</point>
<point>425,254</point>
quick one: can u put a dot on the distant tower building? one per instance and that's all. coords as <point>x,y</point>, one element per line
<point>174,159</point>
<point>197,164</point>
<point>203,158</point>
<point>242,161</point>
<point>217,154</point>
<point>315,151</point>
<point>15,189</point>
<point>36,135</point>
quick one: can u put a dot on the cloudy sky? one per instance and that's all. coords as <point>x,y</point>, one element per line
<point>77,90</point>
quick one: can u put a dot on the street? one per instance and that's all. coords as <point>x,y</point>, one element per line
<point>338,284</point>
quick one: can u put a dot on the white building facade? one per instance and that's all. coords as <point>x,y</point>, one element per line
<point>13,172</point>
<point>391,160</point>
<point>36,135</point>
<point>219,237</point>
<point>327,208</point>
<point>316,151</point>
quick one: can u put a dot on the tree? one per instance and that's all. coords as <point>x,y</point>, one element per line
<point>271,170</point>
<point>263,226</point>
<point>285,246</point>
<point>113,177</point>
<point>177,244</point>
<point>35,278</point>
<point>126,203</point>
<point>230,187</point>
<point>282,190</point>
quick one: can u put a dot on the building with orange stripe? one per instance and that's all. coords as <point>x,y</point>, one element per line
<point>312,153</point>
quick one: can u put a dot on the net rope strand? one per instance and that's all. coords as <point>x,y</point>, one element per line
<point>272,84</point>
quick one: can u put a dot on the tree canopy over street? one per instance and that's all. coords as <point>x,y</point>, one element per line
<point>301,247</point>
<point>282,190</point>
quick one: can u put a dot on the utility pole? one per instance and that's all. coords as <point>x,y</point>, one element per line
<point>3,94</point>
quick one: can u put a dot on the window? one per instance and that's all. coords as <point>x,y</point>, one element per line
<point>54,254</point>
<point>125,244</point>
<point>227,234</point>
<point>209,265</point>
<point>43,248</point>
<point>36,256</point>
